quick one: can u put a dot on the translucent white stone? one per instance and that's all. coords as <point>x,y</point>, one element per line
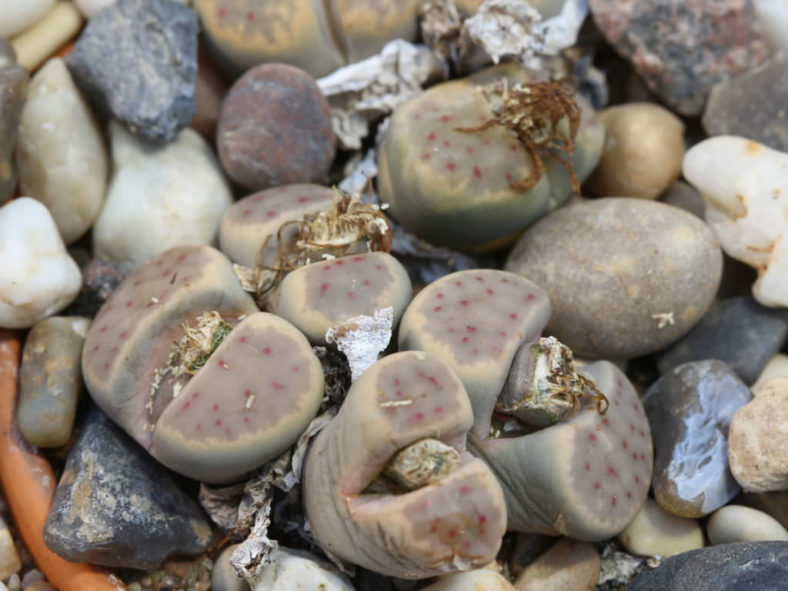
<point>16,15</point>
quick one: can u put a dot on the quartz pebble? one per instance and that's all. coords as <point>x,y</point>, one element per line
<point>158,198</point>
<point>626,277</point>
<point>777,367</point>
<point>37,43</point>
<point>746,192</point>
<point>9,557</point>
<point>61,155</point>
<point>275,129</point>
<point>738,331</point>
<point>16,15</point>
<point>39,278</point>
<point>13,90</point>
<point>773,16</point>
<point>644,147</point>
<point>756,566</point>
<point>568,564</point>
<point>681,49</point>
<point>735,523</point>
<point>296,569</point>
<point>50,380</point>
<point>758,440</point>
<point>655,532</point>
<point>752,105</point>
<point>137,61</point>
<point>115,506</point>
<point>689,410</point>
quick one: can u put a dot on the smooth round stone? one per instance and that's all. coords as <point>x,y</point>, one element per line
<point>250,221</point>
<point>736,523</point>
<point>16,15</point>
<point>13,91</point>
<point>686,197</point>
<point>296,569</point>
<point>61,155</point>
<point>275,129</point>
<point>474,580</point>
<point>159,198</point>
<point>37,43</point>
<point>625,276</point>
<point>39,277</point>
<point>777,367</point>
<point>39,586</point>
<point>644,148</point>
<point>751,566</point>
<point>568,564</point>
<point>654,532</point>
<point>689,410</point>
<point>773,17</point>
<point>746,192</point>
<point>9,557</point>
<point>91,8</point>
<point>758,440</point>
<point>50,380</point>
<point>223,577</point>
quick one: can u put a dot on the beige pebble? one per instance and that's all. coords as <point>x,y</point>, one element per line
<point>736,523</point>
<point>643,152</point>
<point>9,557</point>
<point>39,586</point>
<point>758,440</point>
<point>655,532</point>
<point>37,43</point>
<point>568,564</point>
<point>776,368</point>
<point>475,580</point>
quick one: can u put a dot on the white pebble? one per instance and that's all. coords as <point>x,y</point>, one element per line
<point>294,569</point>
<point>159,198</point>
<point>745,186</point>
<point>655,532</point>
<point>16,15</point>
<point>61,154</point>
<point>38,276</point>
<point>736,523</point>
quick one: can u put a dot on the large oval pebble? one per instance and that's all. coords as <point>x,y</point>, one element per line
<point>625,276</point>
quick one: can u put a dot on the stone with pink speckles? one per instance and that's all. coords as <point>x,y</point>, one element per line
<point>585,477</point>
<point>251,401</point>
<point>322,295</point>
<point>133,333</point>
<point>475,321</point>
<point>454,523</point>
<point>453,188</point>
<point>249,221</point>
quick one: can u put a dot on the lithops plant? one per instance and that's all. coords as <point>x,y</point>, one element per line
<point>248,232</point>
<point>389,485</point>
<point>475,321</point>
<point>585,476</point>
<point>323,295</point>
<point>456,177</point>
<point>226,419</point>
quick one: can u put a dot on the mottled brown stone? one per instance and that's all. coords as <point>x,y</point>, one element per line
<point>275,129</point>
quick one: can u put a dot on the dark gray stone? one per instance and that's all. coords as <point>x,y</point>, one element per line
<point>13,91</point>
<point>752,105</point>
<point>116,506</point>
<point>738,331</point>
<point>137,62</point>
<point>689,411</point>
<point>745,566</point>
<point>686,197</point>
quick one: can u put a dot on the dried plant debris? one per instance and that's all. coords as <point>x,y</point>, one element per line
<point>545,119</point>
<point>440,24</point>
<point>427,263</point>
<point>336,375</point>
<point>350,226</point>
<point>506,28</point>
<point>360,94</point>
<point>362,338</point>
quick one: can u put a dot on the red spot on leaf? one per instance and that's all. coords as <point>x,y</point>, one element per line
<point>438,409</point>
<point>477,172</point>
<point>277,386</point>
<point>437,308</point>
<point>613,500</point>
<point>513,316</point>
<point>464,302</point>
<point>247,393</point>
<point>431,136</point>
<point>215,407</point>
<point>446,143</point>
<point>445,118</point>
<point>587,466</point>
<point>250,16</point>
<point>451,165</point>
<point>366,282</point>
<point>243,339</point>
<point>218,422</point>
<point>323,289</point>
<point>596,486</point>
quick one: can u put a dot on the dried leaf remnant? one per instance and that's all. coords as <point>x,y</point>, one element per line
<point>545,119</point>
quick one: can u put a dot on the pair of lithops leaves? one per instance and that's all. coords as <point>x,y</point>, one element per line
<point>390,483</point>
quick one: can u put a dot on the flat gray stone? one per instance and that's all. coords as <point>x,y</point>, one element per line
<point>13,90</point>
<point>116,506</point>
<point>137,62</point>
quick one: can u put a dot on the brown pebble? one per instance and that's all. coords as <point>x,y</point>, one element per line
<point>275,129</point>
<point>568,564</point>
<point>39,586</point>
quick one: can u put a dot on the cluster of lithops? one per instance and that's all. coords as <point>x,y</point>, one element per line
<point>316,36</point>
<point>323,295</point>
<point>455,187</point>
<point>209,416</point>
<point>389,485</point>
<point>249,232</point>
